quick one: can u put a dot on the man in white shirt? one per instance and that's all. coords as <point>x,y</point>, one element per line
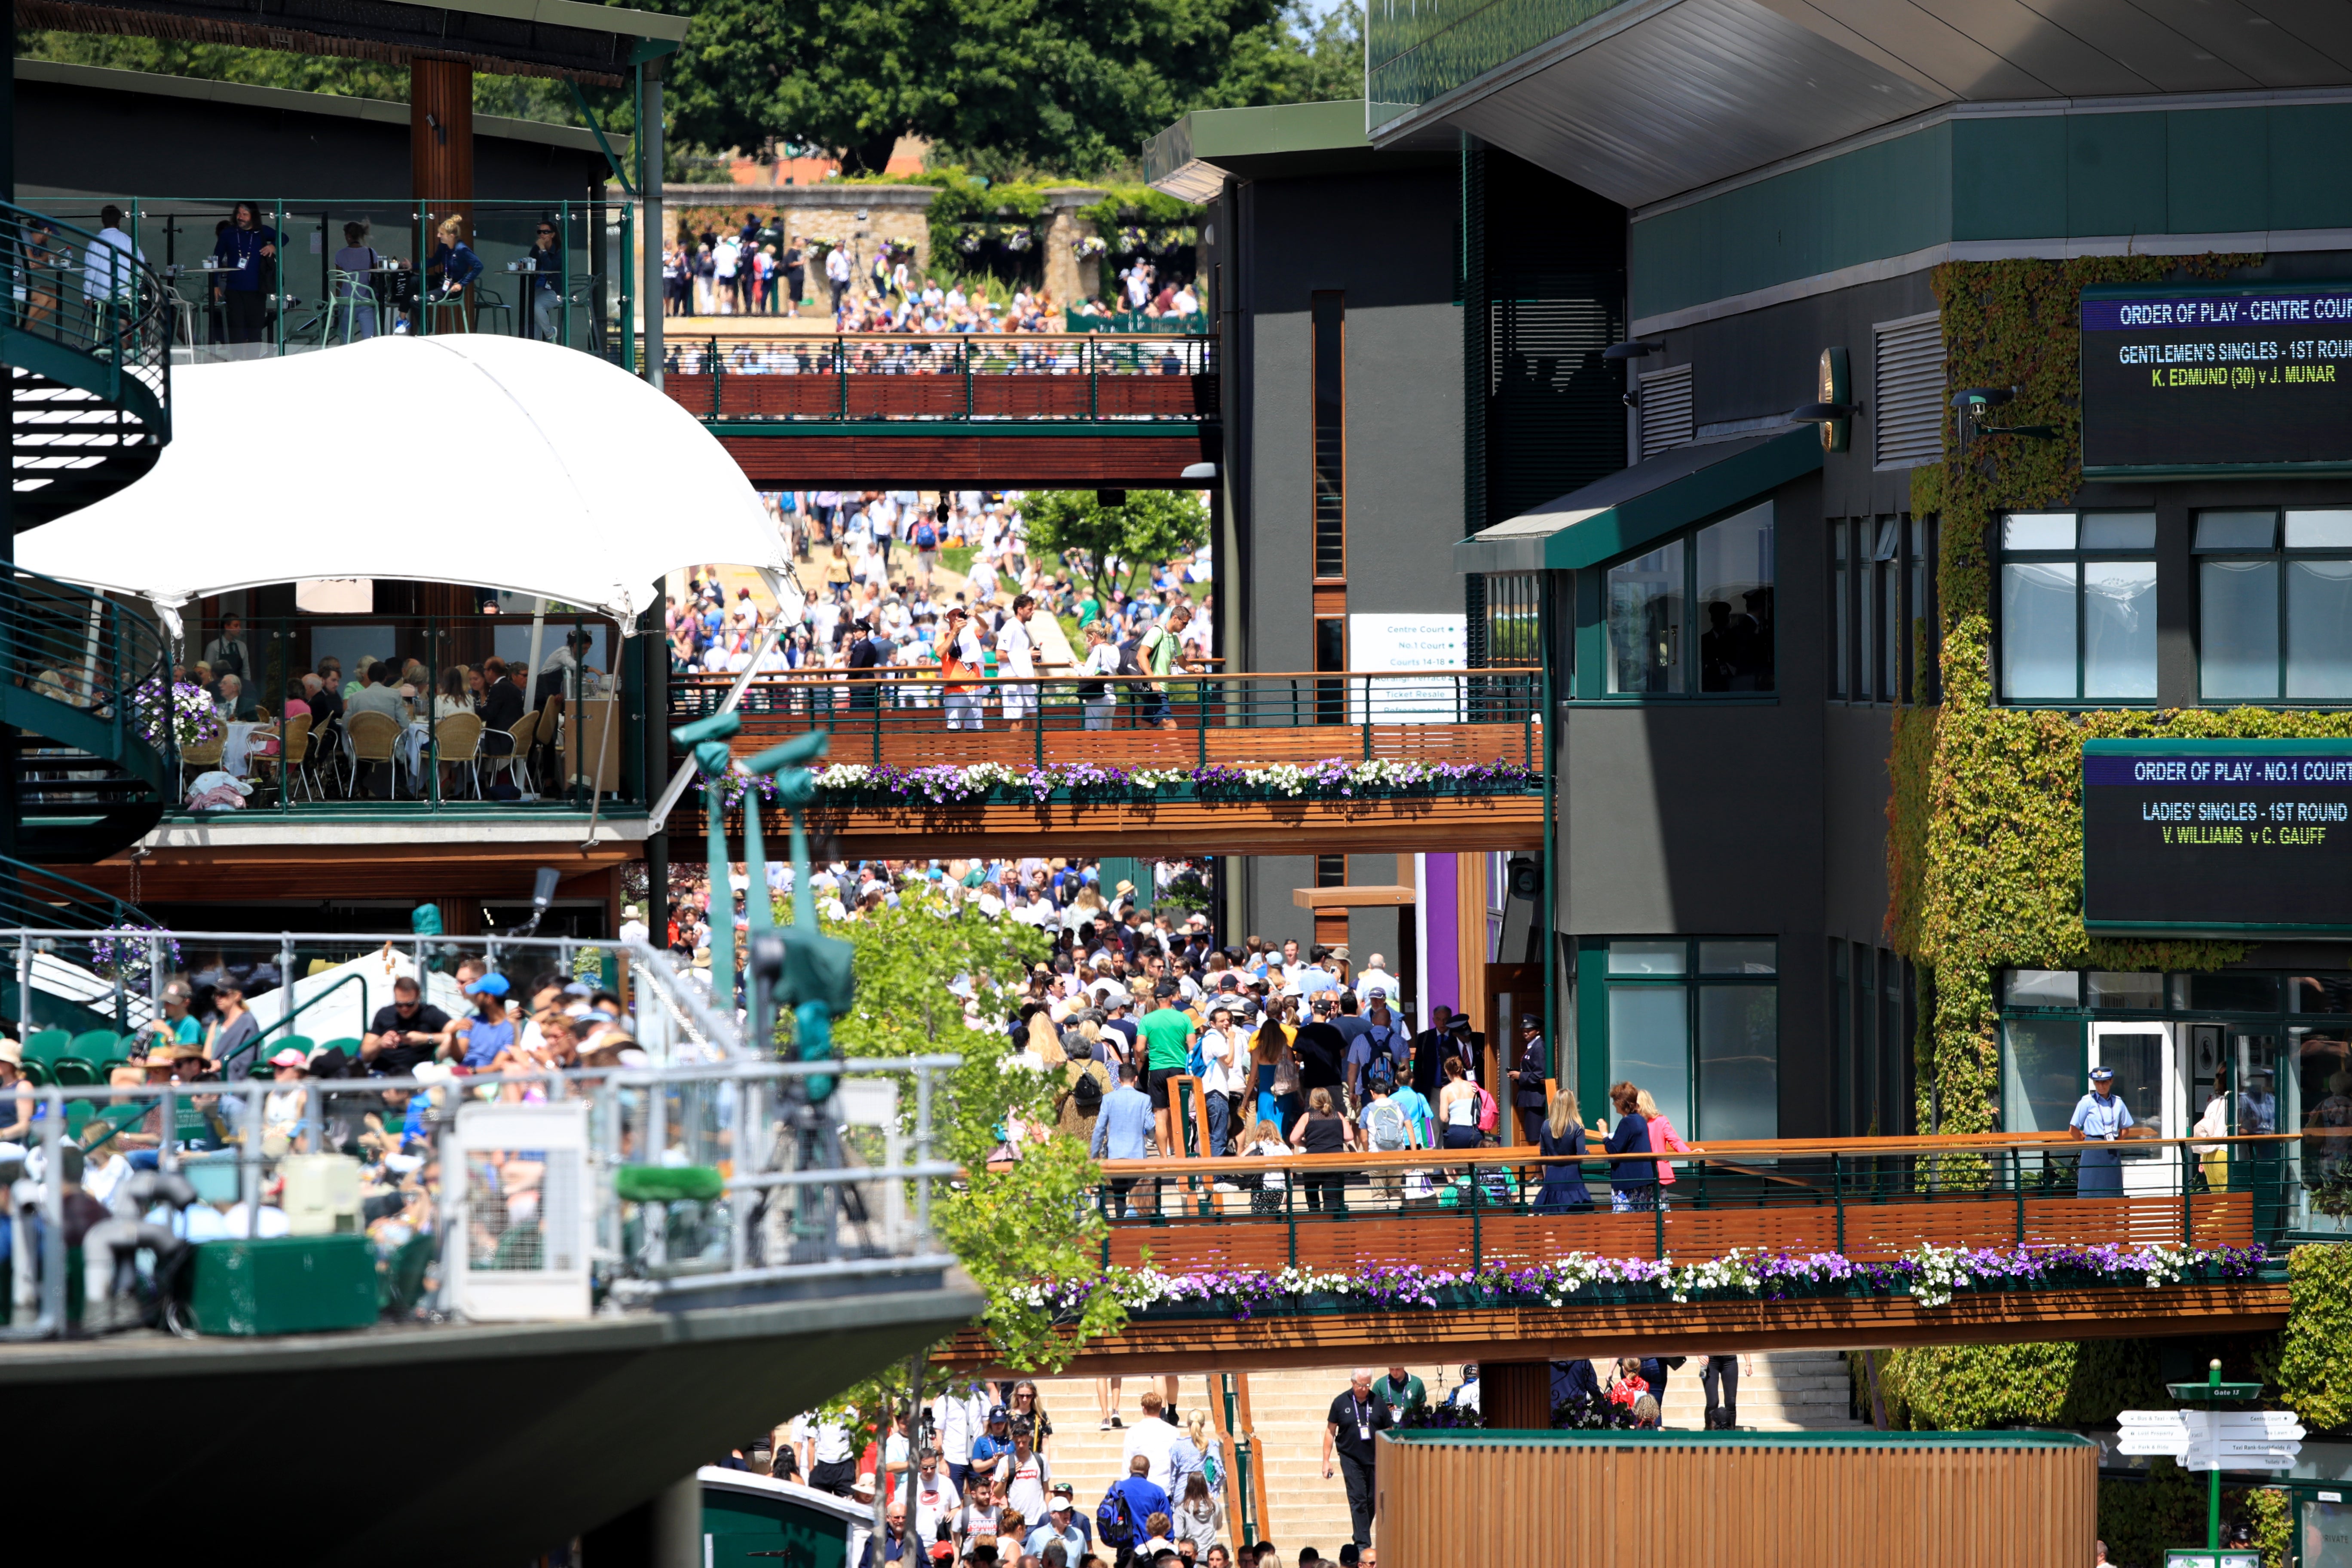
<point>963,1416</point>
<point>837,273</point>
<point>104,272</point>
<point>1217,1049</point>
<point>1155,1439</point>
<point>935,1497</point>
<point>1375,976</point>
<point>1016,658</point>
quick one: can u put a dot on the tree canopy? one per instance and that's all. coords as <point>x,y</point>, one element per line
<point>1109,546</point>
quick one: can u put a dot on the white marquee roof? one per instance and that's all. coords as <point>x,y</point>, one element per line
<point>497,461</point>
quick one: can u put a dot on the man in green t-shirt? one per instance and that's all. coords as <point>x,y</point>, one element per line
<point>1401,1392</point>
<point>1168,1052</point>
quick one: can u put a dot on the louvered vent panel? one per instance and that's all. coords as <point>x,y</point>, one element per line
<point>1907,409</point>
<point>1666,413</point>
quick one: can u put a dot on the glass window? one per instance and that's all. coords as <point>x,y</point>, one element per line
<point>1648,957</point>
<point>1927,682</point>
<point>2275,607</point>
<point>2078,607</point>
<point>2227,991</point>
<point>1737,957</point>
<point>2144,992</point>
<point>2319,993</point>
<point>1646,624</point>
<point>2044,988</point>
<point>1703,1037</point>
<point>1739,1062</point>
<point>1840,652</point>
<point>1696,613</point>
<point>2043,1073</point>
<point>1328,314</point>
<point>1649,1045</point>
<point>1735,599</point>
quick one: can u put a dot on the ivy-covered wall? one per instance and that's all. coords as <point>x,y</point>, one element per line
<point>1984,845</point>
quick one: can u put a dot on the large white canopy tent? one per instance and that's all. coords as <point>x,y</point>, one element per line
<point>516,464</point>
<point>470,459</point>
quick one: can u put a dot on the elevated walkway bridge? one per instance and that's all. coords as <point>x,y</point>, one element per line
<point>1264,762</point>
<point>1458,1256</point>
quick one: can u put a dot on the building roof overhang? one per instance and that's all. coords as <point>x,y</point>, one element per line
<point>572,38</point>
<point>1646,99</point>
<point>1192,158</point>
<point>1607,518</point>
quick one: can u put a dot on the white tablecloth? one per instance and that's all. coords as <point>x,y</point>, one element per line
<point>234,746</point>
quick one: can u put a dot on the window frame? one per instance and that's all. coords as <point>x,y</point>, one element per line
<point>1865,582</point>
<point>1593,616</point>
<point>1327,313</point>
<point>1595,983</point>
<point>2079,557</point>
<point>2282,555</point>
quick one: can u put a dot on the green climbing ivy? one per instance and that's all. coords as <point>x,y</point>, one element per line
<point>1984,845</point>
<point>2312,1371</point>
<point>2138,1519</point>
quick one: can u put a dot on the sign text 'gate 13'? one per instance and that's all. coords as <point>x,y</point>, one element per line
<point>2217,837</point>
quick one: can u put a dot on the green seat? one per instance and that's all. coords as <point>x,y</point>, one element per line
<point>37,1074</point>
<point>261,1070</point>
<point>302,1043</point>
<point>45,1046</point>
<point>106,1068</point>
<point>72,1072</point>
<point>77,1115</point>
<point>668,1183</point>
<point>96,1046</point>
<point>349,1046</point>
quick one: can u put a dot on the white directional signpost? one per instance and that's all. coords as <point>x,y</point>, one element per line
<point>2212,1440</point>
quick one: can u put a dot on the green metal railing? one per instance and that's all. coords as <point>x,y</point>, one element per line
<point>955,375</point>
<point>304,299</point>
<point>1869,1199</point>
<point>901,716</point>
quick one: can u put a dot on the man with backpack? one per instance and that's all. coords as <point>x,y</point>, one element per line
<point>925,539</point>
<point>1387,1128</point>
<point>1129,1501</point>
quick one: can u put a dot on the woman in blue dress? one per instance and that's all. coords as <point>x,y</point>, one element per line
<point>1563,1133</point>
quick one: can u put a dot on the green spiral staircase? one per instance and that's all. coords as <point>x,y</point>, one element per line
<point>85,682</point>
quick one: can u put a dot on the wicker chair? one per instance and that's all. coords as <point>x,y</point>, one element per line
<point>374,738</point>
<point>516,763</point>
<point>202,757</point>
<point>457,741</point>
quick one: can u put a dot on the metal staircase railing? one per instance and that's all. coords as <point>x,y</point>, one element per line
<point>85,330</point>
<point>84,333</point>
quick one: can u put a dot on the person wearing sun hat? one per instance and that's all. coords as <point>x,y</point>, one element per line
<point>2100,1119</point>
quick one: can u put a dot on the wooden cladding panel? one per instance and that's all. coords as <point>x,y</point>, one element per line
<point>1451,1238</point>
<point>807,456</point>
<point>1272,1341</point>
<point>825,396</point>
<point>1182,827</point>
<point>1707,1503</point>
<point>914,745</point>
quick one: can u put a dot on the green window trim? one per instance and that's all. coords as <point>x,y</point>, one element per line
<point>1649,619</point>
<point>1714,999</point>
<point>2308,558</point>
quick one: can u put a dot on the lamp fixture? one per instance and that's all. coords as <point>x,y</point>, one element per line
<point>1971,401</point>
<point>1637,349</point>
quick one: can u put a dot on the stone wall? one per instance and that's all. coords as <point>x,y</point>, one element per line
<point>1067,279</point>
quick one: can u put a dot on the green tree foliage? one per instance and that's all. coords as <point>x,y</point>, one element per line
<point>2313,1373</point>
<point>1064,84</point>
<point>1021,1222</point>
<point>1296,57</point>
<point>1151,526</point>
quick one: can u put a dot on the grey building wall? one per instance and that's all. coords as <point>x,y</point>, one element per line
<point>121,140</point>
<point>1386,240</point>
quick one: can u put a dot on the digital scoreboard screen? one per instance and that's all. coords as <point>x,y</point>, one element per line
<point>2232,376</point>
<point>2185,837</point>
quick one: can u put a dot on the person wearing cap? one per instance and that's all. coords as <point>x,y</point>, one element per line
<point>988,1449</point>
<point>283,1109</point>
<point>1026,1474</point>
<point>2101,1117</point>
<point>477,1039</point>
<point>178,1026</point>
<point>1527,1077</point>
<point>1060,1524</point>
<point>962,660</point>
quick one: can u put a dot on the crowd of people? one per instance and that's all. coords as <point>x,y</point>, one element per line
<point>761,267</point>
<point>885,603</point>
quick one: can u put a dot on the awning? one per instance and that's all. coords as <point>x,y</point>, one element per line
<point>495,461</point>
<point>1633,506</point>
